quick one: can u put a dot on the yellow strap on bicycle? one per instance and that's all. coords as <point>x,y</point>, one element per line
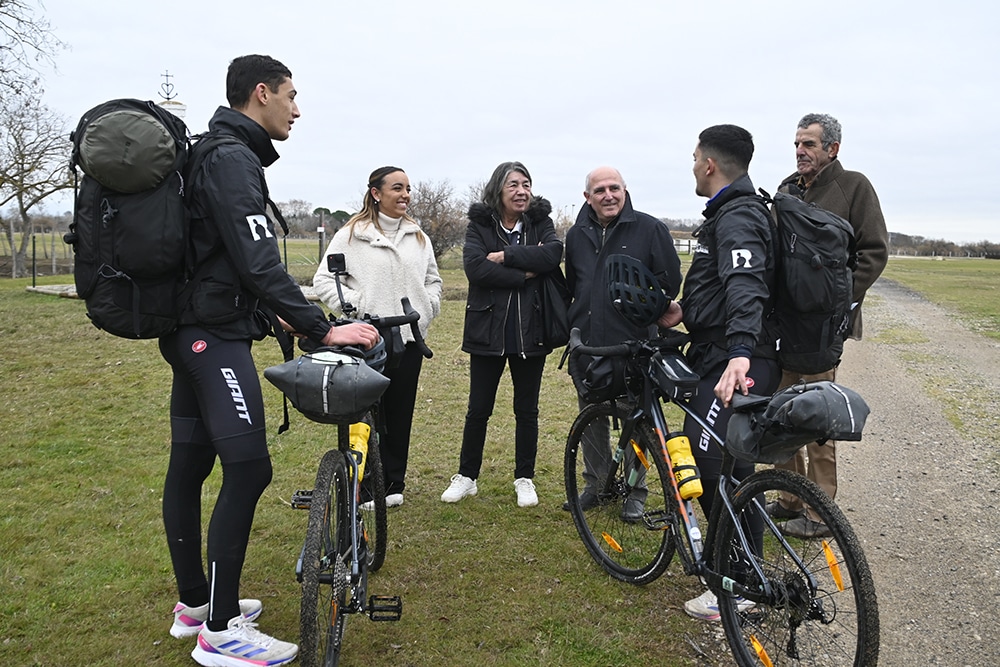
<point>358,438</point>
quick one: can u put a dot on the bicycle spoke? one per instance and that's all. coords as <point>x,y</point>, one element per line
<point>625,495</point>
<point>822,612</point>
<point>324,573</point>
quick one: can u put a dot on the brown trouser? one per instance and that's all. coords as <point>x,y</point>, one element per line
<point>822,464</point>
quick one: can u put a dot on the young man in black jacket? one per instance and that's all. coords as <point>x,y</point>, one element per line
<point>216,404</point>
<point>726,298</point>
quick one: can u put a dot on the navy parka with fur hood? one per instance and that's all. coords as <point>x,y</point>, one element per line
<point>498,292</point>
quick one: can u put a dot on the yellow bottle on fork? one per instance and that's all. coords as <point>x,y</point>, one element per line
<point>685,470</point>
<point>359,442</point>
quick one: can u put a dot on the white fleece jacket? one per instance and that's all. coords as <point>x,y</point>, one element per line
<point>381,271</point>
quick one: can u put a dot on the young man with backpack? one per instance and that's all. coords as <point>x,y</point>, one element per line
<point>727,297</point>
<point>821,179</point>
<point>216,405</point>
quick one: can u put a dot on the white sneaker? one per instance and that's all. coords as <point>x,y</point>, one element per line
<point>461,486</point>
<point>394,500</point>
<point>188,621</point>
<point>526,496</point>
<point>705,607</point>
<point>241,644</point>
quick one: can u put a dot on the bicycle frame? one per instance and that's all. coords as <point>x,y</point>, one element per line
<point>692,550</point>
<point>359,575</point>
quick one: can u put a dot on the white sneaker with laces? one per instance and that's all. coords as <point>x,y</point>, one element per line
<point>461,486</point>
<point>394,500</point>
<point>705,607</point>
<point>188,621</point>
<point>239,645</point>
<point>525,488</point>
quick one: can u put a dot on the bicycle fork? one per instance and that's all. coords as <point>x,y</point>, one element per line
<point>378,607</point>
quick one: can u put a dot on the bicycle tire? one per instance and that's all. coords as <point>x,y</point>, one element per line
<point>324,570</point>
<point>837,624</point>
<point>634,552</point>
<point>375,516</point>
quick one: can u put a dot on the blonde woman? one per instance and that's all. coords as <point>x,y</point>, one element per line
<point>387,257</point>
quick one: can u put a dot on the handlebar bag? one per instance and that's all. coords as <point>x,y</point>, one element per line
<point>795,416</point>
<point>329,385</point>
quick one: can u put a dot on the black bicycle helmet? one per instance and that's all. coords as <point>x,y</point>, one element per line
<point>634,291</point>
<point>375,357</point>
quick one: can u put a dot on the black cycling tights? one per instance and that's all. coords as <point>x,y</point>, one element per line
<point>216,409</point>
<point>765,376</point>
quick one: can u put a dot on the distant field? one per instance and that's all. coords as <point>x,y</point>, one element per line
<point>969,287</point>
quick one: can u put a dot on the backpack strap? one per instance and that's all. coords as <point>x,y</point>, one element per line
<point>285,341</point>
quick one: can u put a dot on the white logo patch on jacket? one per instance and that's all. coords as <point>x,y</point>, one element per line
<point>741,258</point>
<point>258,227</point>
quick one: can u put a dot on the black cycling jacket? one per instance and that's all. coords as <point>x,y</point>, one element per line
<point>728,286</point>
<point>237,264</point>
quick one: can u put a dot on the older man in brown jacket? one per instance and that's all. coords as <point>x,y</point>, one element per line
<point>821,179</point>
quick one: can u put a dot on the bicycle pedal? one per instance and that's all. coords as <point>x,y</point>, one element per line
<point>302,499</point>
<point>385,607</point>
<point>658,520</point>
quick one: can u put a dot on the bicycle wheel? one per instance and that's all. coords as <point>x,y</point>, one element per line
<point>373,512</point>
<point>324,569</point>
<point>633,549</point>
<point>834,623</point>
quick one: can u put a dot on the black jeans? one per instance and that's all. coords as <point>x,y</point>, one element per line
<point>484,378</point>
<point>397,411</point>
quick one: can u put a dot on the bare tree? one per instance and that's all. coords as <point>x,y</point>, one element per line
<point>26,42</point>
<point>34,159</point>
<point>440,214</point>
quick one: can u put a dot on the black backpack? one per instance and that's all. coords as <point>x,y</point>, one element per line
<point>814,284</point>
<point>816,258</point>
<point>130,220</point>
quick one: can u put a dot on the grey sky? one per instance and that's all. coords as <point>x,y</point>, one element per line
<point>447,89</point>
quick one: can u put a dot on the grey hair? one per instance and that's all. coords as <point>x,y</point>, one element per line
<point>494,187</point>
<point>831,127</point>
<point>586,182</point>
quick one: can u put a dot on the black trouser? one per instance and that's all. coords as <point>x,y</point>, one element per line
<point>484,378</point>
<point>397,412</point>
<point>765,376</point>
<point>216,409</point>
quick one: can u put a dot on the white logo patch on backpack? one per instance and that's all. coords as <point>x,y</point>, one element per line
<point>258,227</point>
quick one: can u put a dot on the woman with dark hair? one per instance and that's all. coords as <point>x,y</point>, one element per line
<point>387,257</point>
<point>509,242</point>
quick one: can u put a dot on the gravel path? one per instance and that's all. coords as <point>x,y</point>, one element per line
<point>922,495</point>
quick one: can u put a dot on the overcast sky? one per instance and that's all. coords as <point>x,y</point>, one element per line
<point>447,89</point>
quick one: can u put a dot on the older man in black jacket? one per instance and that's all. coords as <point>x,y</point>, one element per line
<point>608,225</point>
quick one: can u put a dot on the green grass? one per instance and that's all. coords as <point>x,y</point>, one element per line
<point>969,287</point>
<point>85,577</point>
<point>84,573</point>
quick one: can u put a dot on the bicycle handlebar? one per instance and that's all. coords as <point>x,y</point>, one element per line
<point>410,316</point>
<point>673,338</point>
